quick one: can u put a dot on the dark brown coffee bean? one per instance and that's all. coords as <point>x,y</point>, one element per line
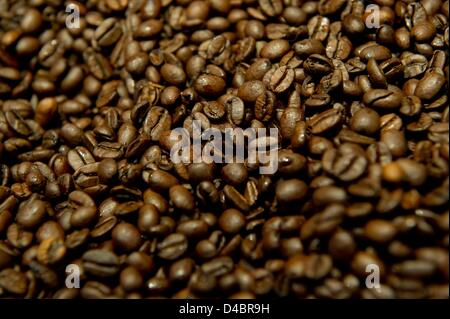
<point>326,120</point>
<point>365,121</point>
<point>290,191</point>
<point>131,279</point>
<point>31,213</point>
<point>231,221</point>
<point>86,118</point>
<point>288,121</point>
<point>341,245</point>
<point>173,246</point>
<point>281,79</point>
<point>95,290</point>
<point>108,32</point>
<point>318,266</point>
<point>265,106</point>
<point>250,91</point>
<point>395,142</point>
<point>209,85</point>
<point>214,110</point>
<point>382,99</point>
<point>429,85</point>
<point>380,231</point>
<point>79,157</point>
<point>155,199</point>
<point>347,163</point>
<point>126,237</point>
<point>51,251</point>
<point>83,216</point>
<point>234,173</point>
<point>161,180</point>
<point>290,162</point>
<point>235,110</point>
<point>101,263</point>
<point>181,198</point>
<point>236,198</point>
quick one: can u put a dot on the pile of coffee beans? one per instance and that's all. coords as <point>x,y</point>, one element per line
<point>93,206</point>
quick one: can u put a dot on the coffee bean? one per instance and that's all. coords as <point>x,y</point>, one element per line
<point>87,178</point>
<point>31,213</point>
<point>429,85</point>
<point>382,99</point>
<point>395,142</point>
<point>290,191</point>
<point>250,91</point>
<point>362,259</point>
<point>209,85</point>
<point>161,180</point>
<point>31,21</point>
<point>79,157</point>
<point>101,262</point>
<point>108,32</point>
<point>236,198</point>
<point>365,121</point>
<point>264,106</point>
<point>326,120</point>
<point>380,231</point>
<point>83,216</point>
<point>173,246</point>
<point>131,279</point>
<point>126,237</point>
<point>318,266</point>
<point>235,110</point>
<point>181,198</point>
<point>95,290</point>
<point>234,173</point>
<point>13,281</point>
<point>341,245</point>
<point>281,79</point>
<point>231,221</point>
<point>288,120</point>
<point>347,163</point>
<point>51,251</point>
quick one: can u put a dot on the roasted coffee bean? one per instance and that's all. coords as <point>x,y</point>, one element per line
<point>265,106</point>
<point>288,121</point>
<point>161,180</point>
<point>31,213</point>
<point>380,231</point>
<point>234,173</point>
<point>13,281</point>
<point>250,90</point>
<point>103,226</point>
<point>51,251</point>
<point>382,99</point>
<point>429,85</point>
<point>209,85</point>
<point>395,142</point>
<point>290,191</point>
<point>173,246</point>
<point>325,121</point>
<point>347,163</point>
<point>100,262</point>
<point>79,157</point>
<point>281,79</point>
<point>358,124</point>
<point>131,279</point>
<point>181,198</point>
<point>365,121</point>
<point>108,32</point>
<point>126,237</point>
<point>231,221</point>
